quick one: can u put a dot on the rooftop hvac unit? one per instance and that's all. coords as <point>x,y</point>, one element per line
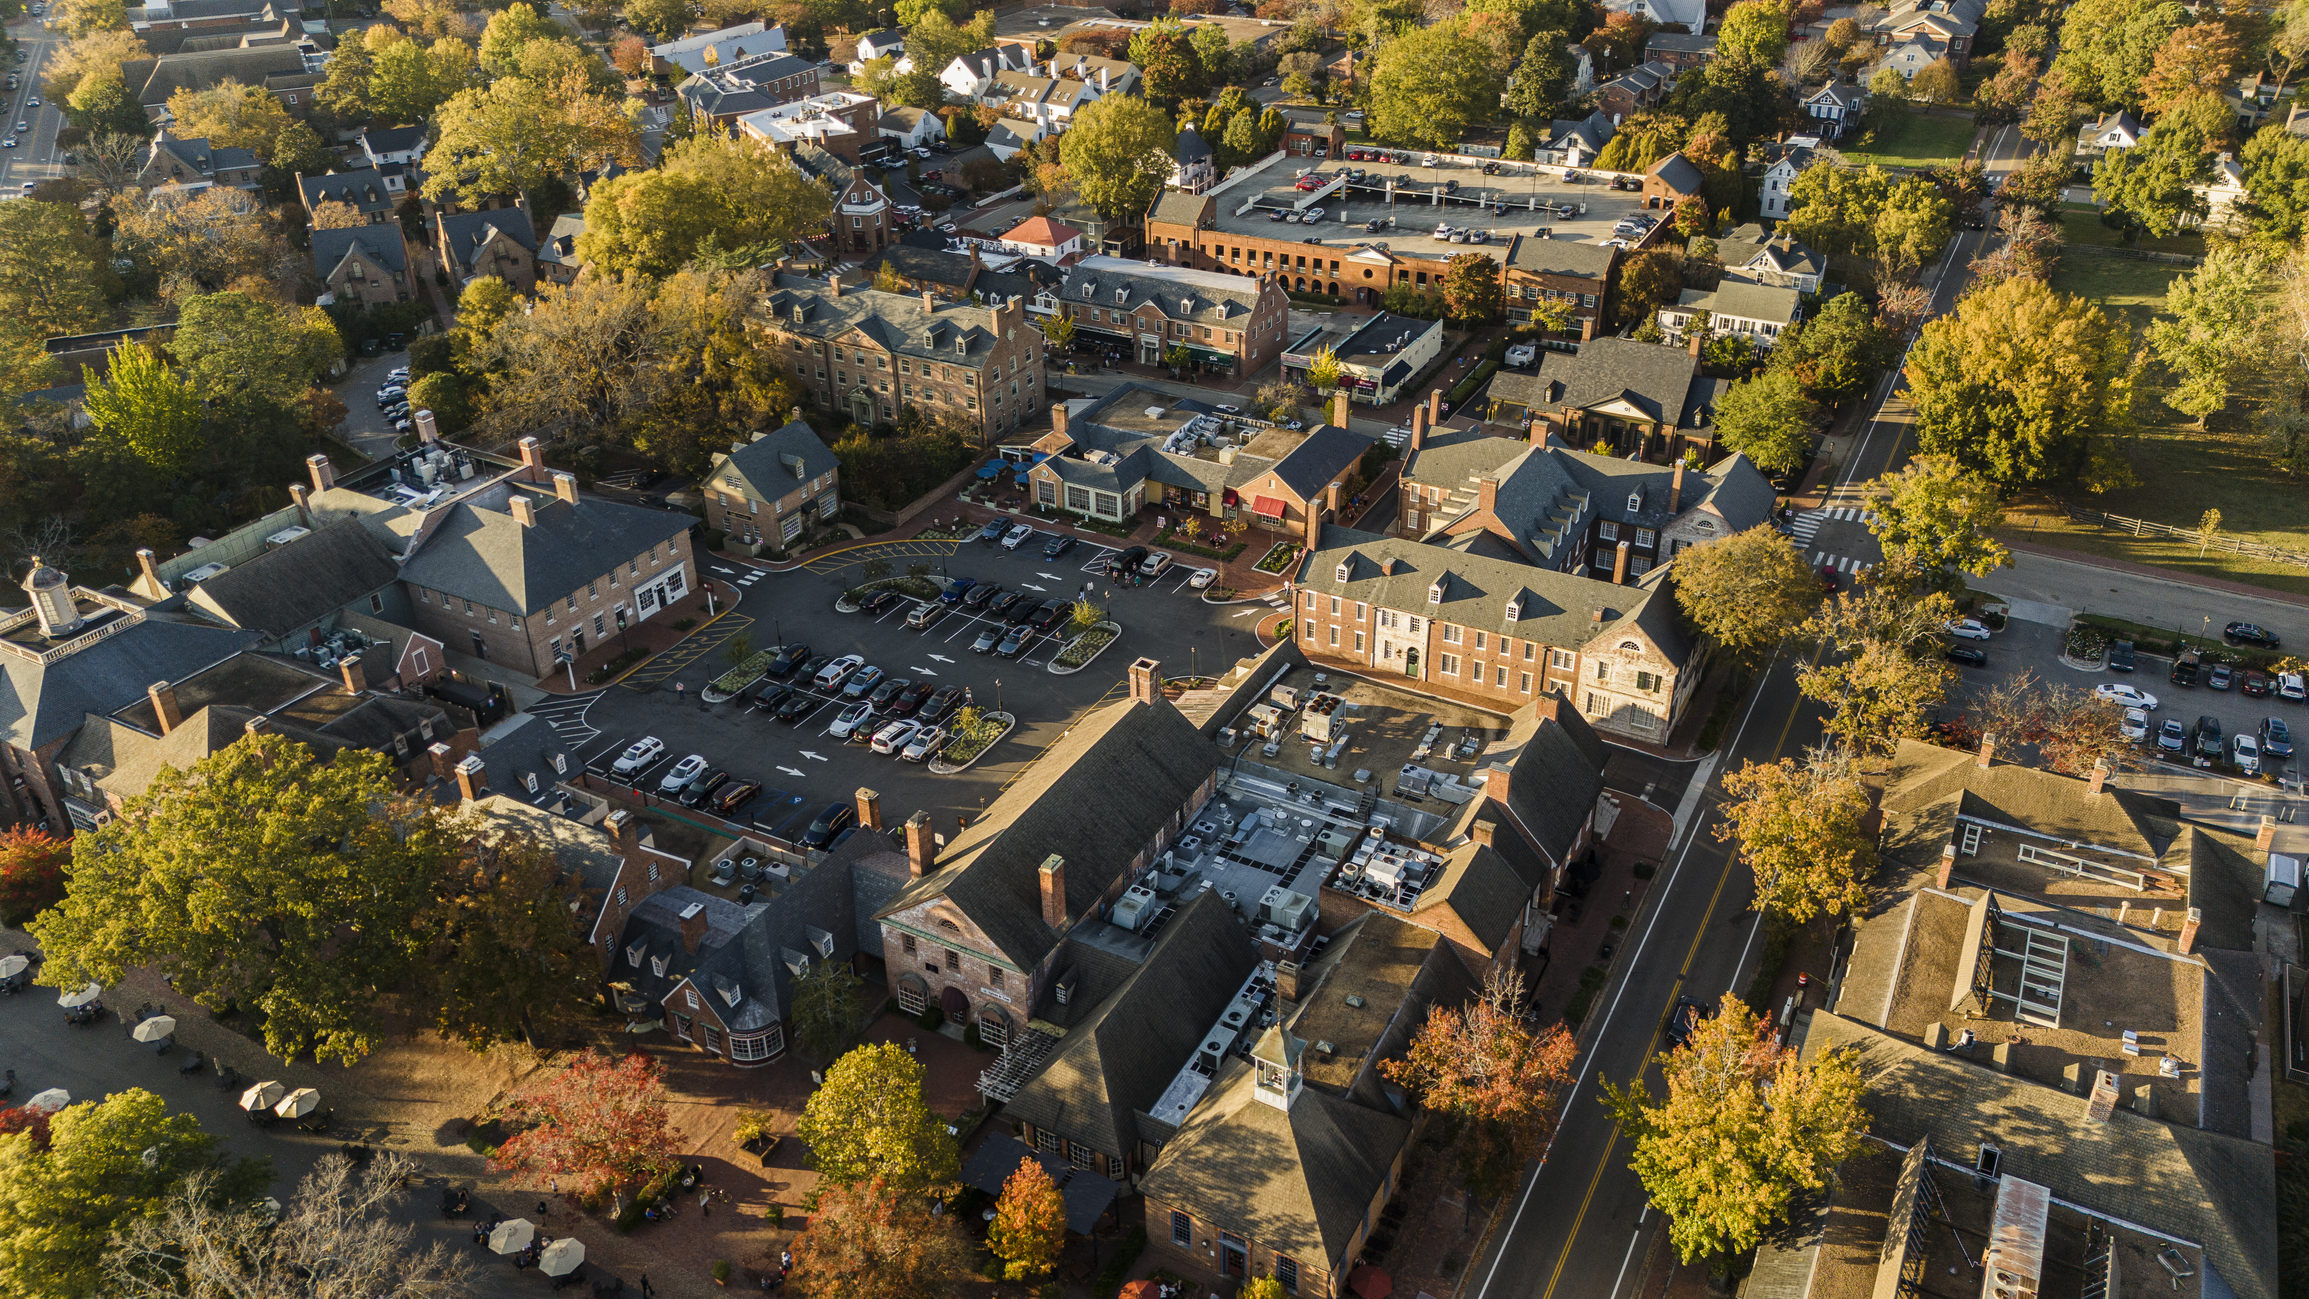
<point>1134,907</point>
<point>285,536</point>
<point>2283,880</point>
<point>1285,696</point>
<point>1286,910</point>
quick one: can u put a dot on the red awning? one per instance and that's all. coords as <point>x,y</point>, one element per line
<point>1370,1282</point>
<point>1267,507</point>
<point>1230,498</point>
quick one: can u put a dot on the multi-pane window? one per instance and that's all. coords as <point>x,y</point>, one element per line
<point>1182,1229</point>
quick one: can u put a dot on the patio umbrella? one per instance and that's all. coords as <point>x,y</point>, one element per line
<point>154,1029</point>
<point>561,1257</point>
<point>299,1103</point>
<point>80,996</point>
<point>1141,1290</point>
<point>1370,1282</point>
<point>261,1097</point>
<point>52,1100</point>
<point>512,1237</point>
<point>13,965</point>
<point>988,471</point>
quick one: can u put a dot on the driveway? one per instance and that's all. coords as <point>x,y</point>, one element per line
<point>365,428</point>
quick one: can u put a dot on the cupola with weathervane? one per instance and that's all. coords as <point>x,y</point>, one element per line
<point>1277,1058</point>
<point>52,603</point>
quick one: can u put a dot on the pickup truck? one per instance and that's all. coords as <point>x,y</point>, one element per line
<point>2185,666</point>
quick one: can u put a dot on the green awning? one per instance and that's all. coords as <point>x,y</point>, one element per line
<point>1211,356</point>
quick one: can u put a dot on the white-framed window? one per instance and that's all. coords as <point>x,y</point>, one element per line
<point>1334,638</point>
<point>1602,671</point>
<point>1561,659</point>
<point>1451,636</point>
<point>1607,531</point>
<point>1645,537</point>
<point>1525,687</point>
<point>1447,664</point>
<point>1358,642</point>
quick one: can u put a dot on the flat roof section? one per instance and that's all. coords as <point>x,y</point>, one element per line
<point>1502,207</point>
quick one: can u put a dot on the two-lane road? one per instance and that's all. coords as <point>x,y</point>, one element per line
<point>35,157</point>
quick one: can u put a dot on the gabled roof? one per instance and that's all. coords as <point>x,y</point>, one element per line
<point>1116,1061</point>
<point>560,246</point>
<point>1180,208</point>
<point>1839,94</point>
<point>1042,232</point>
<point>1571,257</point>
<point>304,581</point>
<point>778,461</point>
<point>1681,42</point>
<point>486,555</point>
<point>1095,798</point>
<point>152,81</point>
<point>1189,146</point>
<point>1677,173</point>
<point>364,189</point>
<point>467,233</point>
<point>2043,801</point>
<point>1592,132</point>
<point>381,244</point>
<point>1178,292</point>
<point>42,703</point>
<point>392,139</point>
<point>1744,300</point>
<point>898,322</point>
<point>1653,377</point>
<point>1319,459</point>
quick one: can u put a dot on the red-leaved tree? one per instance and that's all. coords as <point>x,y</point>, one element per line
<point>1482,1064</point>
<point>598,1123</point>
<point>630,56</point>
<point>868,1239</point>
<point>31,873</point>
<point>1029,1227</point>
<point>21,1118</point>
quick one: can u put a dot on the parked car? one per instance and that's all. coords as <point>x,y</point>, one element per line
<point>2135,726</point>
<point>988,638</point>
<point>2209,738</point>
<point>681,773</point>
<point>771,696</point>
<point>1124,561</point>
<point>2276,738</point>
<point>1015,643</point>
<point>890,689</point>
<point>1000,606</point>
<point>1056,546</point>
<point>924,614</point>
<point>2121,656</point>
<point>956,588</point>
<point>797,707</point>
<point>2290,686</point>
<point>703,787</point>
<point>834,820</point>
<point>1684,1017</point>
<point>1016,537</point>
<point>908,702</point>
<point>1051,614</point>
<point>926,742</point>
<point>2172,737</point>
<point>2184,671</point>
<point>2254,682</point>
<point>2128,696</point>
<point>2245,633</point>
<point>941,702</point>
<point>980,596</point>
<point>1966,655</point>
<point>1202,578</point>
<point>2245,751</point>
<point>1968,629</point>
<point>2220,677</point>
<point>879,600</point>
<point>860,682</point>
<point>1155,562</point>
<point>847,725</point>
<point>1827,577</point>
<point>834,673</point>
<point>789,657</point>
<point>637,755</point>
<point>993,530</point>
<point>1521,355</point>
<point>893,737</point>
<point>810,670</point>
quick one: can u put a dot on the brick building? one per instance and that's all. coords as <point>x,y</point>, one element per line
<point>365,264</point>
<point>762,493</point>
<point>173,160</point>
<point>1574,273</point>
<point>501,243</point>
<point>862,217</point>
<point>1648,399</point>
<point>1228,324</point>
<point>1182,230</point>
<point>869,354</point>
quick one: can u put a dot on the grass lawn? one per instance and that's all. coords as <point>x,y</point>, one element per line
<point>1916,140</point>
<point>2121,285</point>
<point>2081,224</point>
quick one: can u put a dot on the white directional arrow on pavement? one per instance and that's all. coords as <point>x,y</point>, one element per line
<point>814,757</point>
<point>795,772</point>
<point>1053,577</point>
<point>940,658</point>
<point>1245,613</point>
<point>922,671</point>
<point>1032,587</point>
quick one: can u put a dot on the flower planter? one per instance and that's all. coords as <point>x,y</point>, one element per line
<point>939,766</point>
<point>1113,632</point>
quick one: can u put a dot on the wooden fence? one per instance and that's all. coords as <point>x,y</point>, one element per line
<point>2218,541</point>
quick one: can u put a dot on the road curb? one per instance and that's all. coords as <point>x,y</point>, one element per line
<point>1055,670</point>
<point>736,595</point>
<point>941,767</point>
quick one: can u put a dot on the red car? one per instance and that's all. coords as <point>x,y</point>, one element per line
<point>1827,577</point>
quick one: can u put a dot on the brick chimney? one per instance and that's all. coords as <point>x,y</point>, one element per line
<point>1987,749</point>
<point>693,926</point>
<point>1418,429</point>
<point>356,678</point>
<point>1947,864</point>
<point>921,849</point>
<point>929,301</point>
<point>623,831</point>
<point>324,477</point>
<point>444,760</point>
<point>301,496</point>
<point>565,485</point>
<point>1058,417</point>
<point>1487,497</point>
<point>1287,980</point>
<point>869,808</point>
<point>1619,563</point>
<point>834,285</point>
<point>1331,499</point>
<point>1586,329</point>
<point>1495,779</point>
<point>1484,832</point>
<point>150,570</point>
<point>533,459</point>
<point>1676,489</point>
<point>163,696</point>
<point>428,428</point>
<point>2265,835</point>
<point>1435,408</point>
<point>1339,408</point>
<point>2100,778</point>
<point>523,509</point>
<point>1693,345</point>
<point>1145,686</point>
<point>472,778</point>
<point>1053,874</point>
<point>1314,529</point>
<point>2187,942</point>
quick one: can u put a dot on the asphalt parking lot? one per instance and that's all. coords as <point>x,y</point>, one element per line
<point>1162,619</point>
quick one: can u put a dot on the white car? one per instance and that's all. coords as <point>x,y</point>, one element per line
<point>2289,686</point>
<point>1203,577</point>
<point>1968,629</point>
<point>1016,537</point>
<point>2135,726</point>
<point>1154,563</point>
<point>681,773</point>
<point>925,742</point>
<point>1521,355</point>
<point>895,736</point>
<point>835,672</point>
<point>853,717</point>
<point>637,755</point>
<point>2117,692</point>
<point>2246,751</point>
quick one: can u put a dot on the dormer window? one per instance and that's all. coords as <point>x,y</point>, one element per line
<point>801,313</point>
<point>1341,574</point>
<point>1121,296</point>
<point>657,966</point>
<point>1636,501</point>
<point>1435,592</point>
<point>633,954</point>
<point>1515,609</point>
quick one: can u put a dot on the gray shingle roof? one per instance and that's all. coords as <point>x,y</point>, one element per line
<point>41,703</point>
<point>1682,42</point>
<point>1206,296</point>
<point>1095,797</point>
<point>741,966</point>
<point>1538,256</point>
<point>1180,208</point>
<point>1555,776</point>
<point>1744,300</point>
<point>465,232</point>
<point>1321,457</point>
<point>1677,173</point>
<point>780,460</point>
<point>301,582</point>
<point>487,556</point>
<point>364,190</point>
<point>897,321</point>
<point>1118,1059</point>
<point>560,246</point>
<point>381,243</point>
<point>392,139</point>
<point>1654,378</point>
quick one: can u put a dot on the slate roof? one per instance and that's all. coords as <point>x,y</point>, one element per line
<point>1653,377</point>
<point>465,233</point>
<point>1744,300</point>
<point>1188,147</point>
<point>124,760</point>
<point>1319,458</point>
<point>1096,798</point>
<point>487,556</point>
<point>363,189</point>
<point>767,464</point>
<point>274,67</point>
<point>1208,297</point>
<point>1681,42</point>
<point>2219,1191</point>
<point>381,140</point>
<point>197,154</point>
<point>1537,256</point>
<point>1118,1059</point>
<point>1677,173</point>
<point>1746,245</point>
<point>382,244</point>
<point>560,246</point>
<point>1177,207</point>
<point>901,120</point>
<point>896,321</point>
<point>1555,776</point>
<point>42,703</point>
<point>1592,132</point>
<point>740,964</point>
<point>299,583</point>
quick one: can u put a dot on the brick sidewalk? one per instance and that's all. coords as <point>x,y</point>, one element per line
<point>657,635</point>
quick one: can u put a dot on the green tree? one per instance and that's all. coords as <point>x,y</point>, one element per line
<point>1471,289</point>
<point>729,191</point>
<point>101,104</point>
<point>237,350</point>
<point>506,962</point>
<point>514,135</point>
<point>869,1121</point>
<point>827,999</point>
<point>2214,330</point>
<point>231,115</point>
<point>509,30</point>
<point>1170,69</point>
<point>298,150</point>
<point>2152,187</point>
<point>1935,83</point>
<point>1879,670</point>
<point>409,82</point>
<point>1754,33</point>
<point>1802,829</point>
<point>1769,419</point>
<point>148,410</point>
<point>664,19</point>
<point>81,17</point>
<point>2108,47</point>
<point>345,90</point>
<point>2021,383</point>
<point>1742,1131</point>
<point>104,1165</point>
<point>2276,202</point>
<point>1837,353</point>
<point>53,280</point>
<point>1543,80</point>
<point>1434,83</point>
<point>1936,514</point>
<point>1647,279</point>
<point>99,53</point>
<point>1323,369</point>
<point>1029,1227</point>
<point>446,395</point>
<point>1119,153</point>
<point>260,878</point>
<point>1747,592</point>
<point>1244,139</point>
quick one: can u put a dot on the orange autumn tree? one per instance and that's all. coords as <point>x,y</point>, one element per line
<point>1029,1227</point>
<point>868,1238</point>
<point>598,1124</point>
<point>1482,1065</point>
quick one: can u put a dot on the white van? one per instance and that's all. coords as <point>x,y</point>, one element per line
<point>833,673</point>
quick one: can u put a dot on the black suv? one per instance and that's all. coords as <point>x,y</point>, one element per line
<point>836,818</point>
<point>2209,743</point>
<point>789,657</point>
<point>696,792</point>
<point>2245,633</point>
<point>2121,656</point>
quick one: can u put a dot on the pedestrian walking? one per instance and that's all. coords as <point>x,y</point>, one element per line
<point>678,689</point>
<point>541,1212</point>
<point>705,1205</point>
<point>646,1292</point>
